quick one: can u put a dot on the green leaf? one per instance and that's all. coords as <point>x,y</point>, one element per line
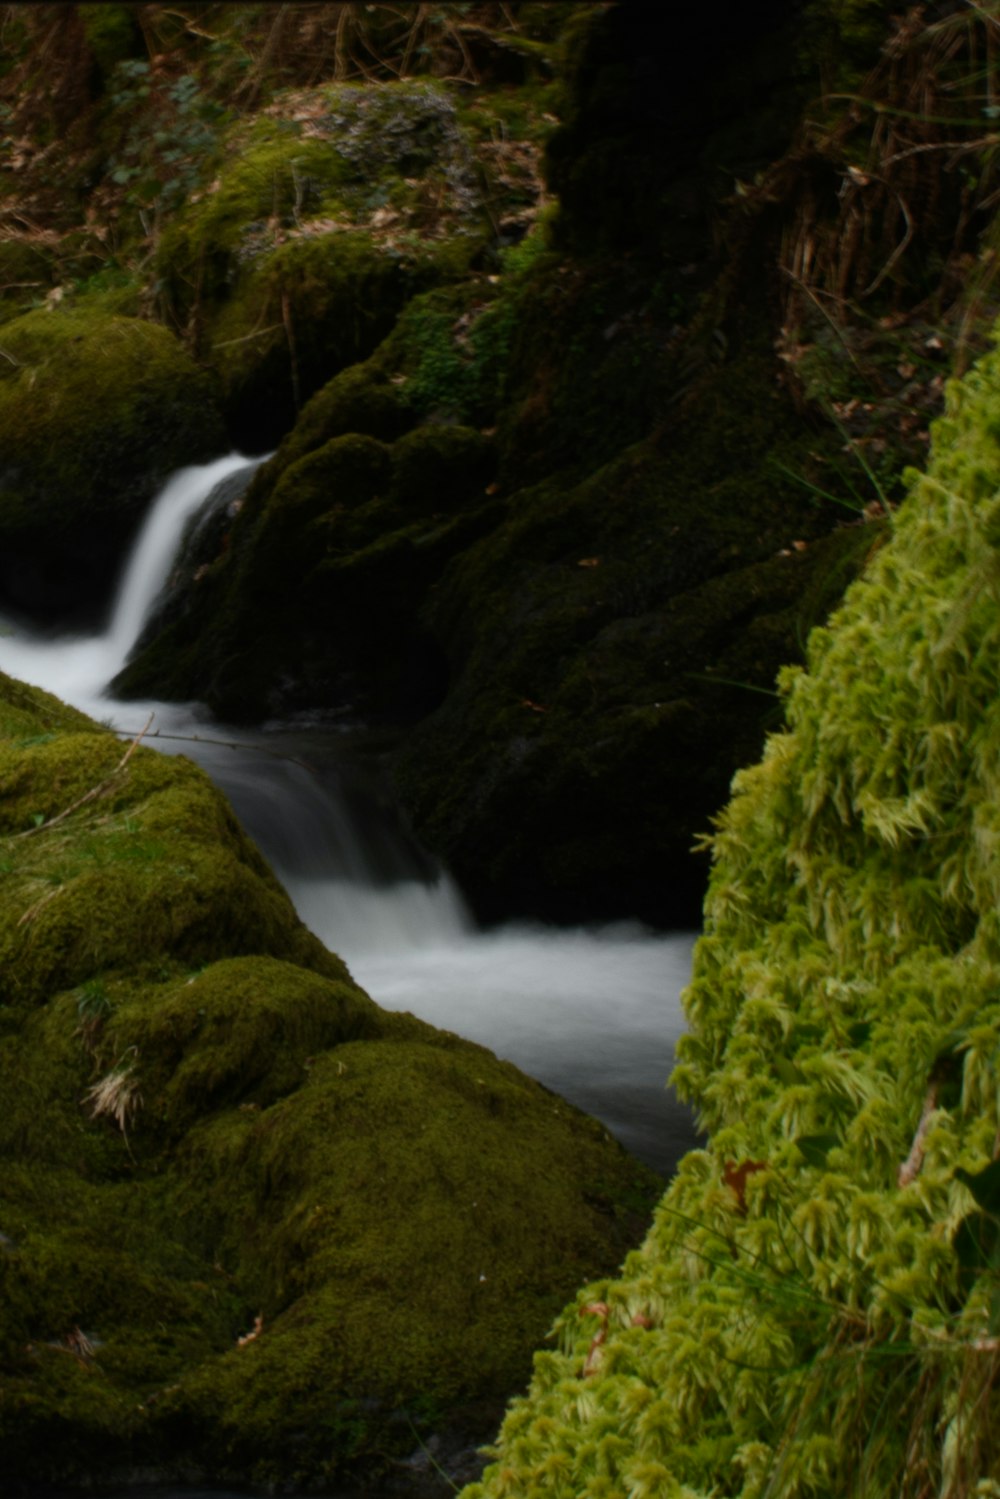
<point>816,1148</point>
<point>859,1032</point>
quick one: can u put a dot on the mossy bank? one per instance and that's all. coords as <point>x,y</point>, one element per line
<point>815,1309</point>
<point>252,1228</point>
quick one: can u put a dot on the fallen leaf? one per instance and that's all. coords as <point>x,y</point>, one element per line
<point>735,1177</point>
<point>248,1337</point>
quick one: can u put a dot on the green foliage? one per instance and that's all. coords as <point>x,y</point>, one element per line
<point>168,132</point>
<point>816,1308</point>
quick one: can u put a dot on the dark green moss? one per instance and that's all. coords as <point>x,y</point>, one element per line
<point>364,530</point>
<point>97,410</point>
<point>611,649</point>
<point>251,1226</point>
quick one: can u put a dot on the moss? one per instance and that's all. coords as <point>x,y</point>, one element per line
<point>360,399</point>
<point>151,865</point>
<point>98,410</point>
<point>320,1175</point>
<point>206,1122</point>
<point>297,260</point>
<point>25,275</point>
<point>843,1054</point>
<point>440,469</point>
<point>304,312</point>
<point>611,647</point>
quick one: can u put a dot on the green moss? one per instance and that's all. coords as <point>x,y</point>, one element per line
<point>301,314</point>
<point>151,865</point>
<point>206,1122</point>
<point>321,1175</point>
<point>818,1289</point>
<point>360,399</point>
<point>297,260</point>
<point>98,410</point>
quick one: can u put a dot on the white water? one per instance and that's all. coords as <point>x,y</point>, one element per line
<point>592,1013</point>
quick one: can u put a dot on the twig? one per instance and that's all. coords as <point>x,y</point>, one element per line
<point>904,242</point>
<point>910,1169</point>
<point>233,744</point>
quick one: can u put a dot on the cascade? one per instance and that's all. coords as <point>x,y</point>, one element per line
<point>594,1013</point>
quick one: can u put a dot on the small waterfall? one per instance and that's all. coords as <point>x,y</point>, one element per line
<point>592,1013</point>
<point>78,668</point>
<point>157,545</point>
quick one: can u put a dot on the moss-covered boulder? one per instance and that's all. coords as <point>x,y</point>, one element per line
<point>251,1226</point>
<point>579,617</point>
<point>328,213</point>
<point>579,613</point>
<point>96,411</point>
<point>315,597</point>
<point>815,1308</point>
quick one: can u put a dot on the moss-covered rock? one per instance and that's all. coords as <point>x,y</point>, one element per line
<point>322,223</point>
<point>338,542</point>
<point>584,637</point>
<point>585,629</point>
<point>610,645</point>
<point>96,411</point>
<point>815,1308</point>
<point>251,1226</point>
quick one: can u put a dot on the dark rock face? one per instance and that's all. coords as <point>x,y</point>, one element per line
<point>562,525</point>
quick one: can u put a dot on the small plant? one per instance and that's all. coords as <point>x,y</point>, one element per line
<point>171,131</point>
<point>117,1094</point>
<point>93,1006</point>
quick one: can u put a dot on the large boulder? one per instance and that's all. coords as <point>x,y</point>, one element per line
<point>251,1226</point>
<point>329,212</point>
<point>96,411</point>
<point>579,625</point>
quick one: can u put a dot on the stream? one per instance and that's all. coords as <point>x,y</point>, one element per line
<point>592,1012</point>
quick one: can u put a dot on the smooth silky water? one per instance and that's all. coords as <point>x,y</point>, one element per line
<point>592,1012</point>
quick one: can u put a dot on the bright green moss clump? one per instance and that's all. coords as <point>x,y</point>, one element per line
<point>815,1311</point>
<point>210,1134</point>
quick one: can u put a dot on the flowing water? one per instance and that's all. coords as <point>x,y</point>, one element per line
<point>594,1013</point>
